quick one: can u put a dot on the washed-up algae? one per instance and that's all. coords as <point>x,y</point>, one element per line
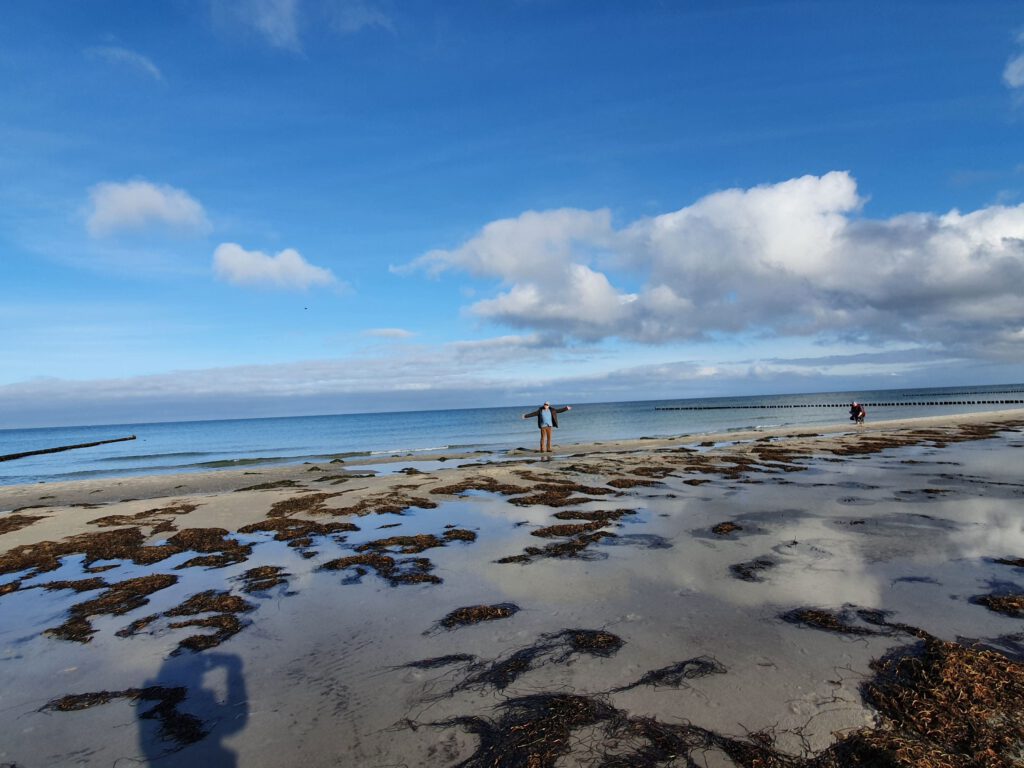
<point>676,675</point>
<point>219,550</point>
<point>296,531</point>
<point>474,614</point>
<point>574,547</point>
<point>413,570</point>
<point>272,485</point>
<point>225,622</point>
<point>175,726</point>
<point>599,514</point>
<point>567,529</point>
<point>554,648</point>
<point>263,578</point>
<point>116,600</point>
<point>410,545</point>
<point>632,482</point>
<point>123,544</point>
<point>155,517</point>
<point>438,662</point>
<point>310,504</point>
<point>480,483</point>
<point>75,585</point>
<point>939,705</point>
<point>389,503</point>
<point>1008,605</point>
<point>724,529</point>
<point>15,522</point>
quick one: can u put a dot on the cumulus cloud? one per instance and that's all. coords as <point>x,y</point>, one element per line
<point>138,205</point>
<point>287,269</point>
<point>125,57</point>
<point>795,258</point>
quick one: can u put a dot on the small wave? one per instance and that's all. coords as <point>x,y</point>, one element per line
<point>143,456</point>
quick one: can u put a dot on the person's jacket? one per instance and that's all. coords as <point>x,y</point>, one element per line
<point>554,414</point>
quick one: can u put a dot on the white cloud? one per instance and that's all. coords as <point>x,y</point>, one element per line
<point>276,21</point>
<point>351,16</point>
<point>1013,74</point>
<point>287,269</point>
<point>139,205</point>
<point>525,247</point>
<point>792,259</point>
<point>389,333</point>
<point>129,58</point>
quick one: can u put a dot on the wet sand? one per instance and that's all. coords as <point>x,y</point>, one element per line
<point>644,602</point>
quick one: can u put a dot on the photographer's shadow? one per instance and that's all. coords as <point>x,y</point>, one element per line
<point>197,702</point>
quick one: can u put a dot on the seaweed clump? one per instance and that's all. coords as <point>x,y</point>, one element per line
<point>263,578</point>
<point>298,533</point>
<point>13,522</point>
<point>941,704</point>
<point>606,515</point>
<point>676,675</point>
<point>124,544</point>
<point>224,621</point>
<point>553,648</point>
<point>409,545</point>
<point>724,529</point>
<point>413,570</point>
<point>572,547</point>
<point>474,614</point>
<point>1009,605</point>
<point>179,727</point>
<point>118,599</point>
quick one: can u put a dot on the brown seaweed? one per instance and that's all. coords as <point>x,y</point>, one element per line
<point>117,599</point>
<point>262,578</point>
<point>14,522</point>
<point>1009,604</point>
<point>676,675</point>
<point>413,570</point>
<point>724,529</point>
<point>474,614</point>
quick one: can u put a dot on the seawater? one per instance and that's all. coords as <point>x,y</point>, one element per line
<point>204,445</point>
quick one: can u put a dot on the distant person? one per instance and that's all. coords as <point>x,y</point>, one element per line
<point>547,419</point>
<point>857,413</point>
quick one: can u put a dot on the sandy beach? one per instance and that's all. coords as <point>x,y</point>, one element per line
<point>807,596</point>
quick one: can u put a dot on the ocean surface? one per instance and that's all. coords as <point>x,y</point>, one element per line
<point>206,445</point>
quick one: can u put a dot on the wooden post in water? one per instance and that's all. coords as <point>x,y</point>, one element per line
<point>11,456</point>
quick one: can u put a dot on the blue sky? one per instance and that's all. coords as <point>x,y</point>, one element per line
<point>218,208</point>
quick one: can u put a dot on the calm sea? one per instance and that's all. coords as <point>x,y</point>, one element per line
<point>204,445</point>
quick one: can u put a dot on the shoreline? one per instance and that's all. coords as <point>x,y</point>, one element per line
<point>691,590</point>
<point>160,484</point>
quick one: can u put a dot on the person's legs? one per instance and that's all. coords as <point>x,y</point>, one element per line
<point>545,439</point>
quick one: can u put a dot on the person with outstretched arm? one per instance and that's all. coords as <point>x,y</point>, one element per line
<point>547,420</point>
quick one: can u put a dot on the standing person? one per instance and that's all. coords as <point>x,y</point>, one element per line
<point>547,419</point>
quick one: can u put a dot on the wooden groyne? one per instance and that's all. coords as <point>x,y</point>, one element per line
<point>832,405</point>
<point>58,449</point>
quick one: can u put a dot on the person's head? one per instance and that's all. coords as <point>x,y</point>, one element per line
<point>547,405</point>
<point>856,405</point>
